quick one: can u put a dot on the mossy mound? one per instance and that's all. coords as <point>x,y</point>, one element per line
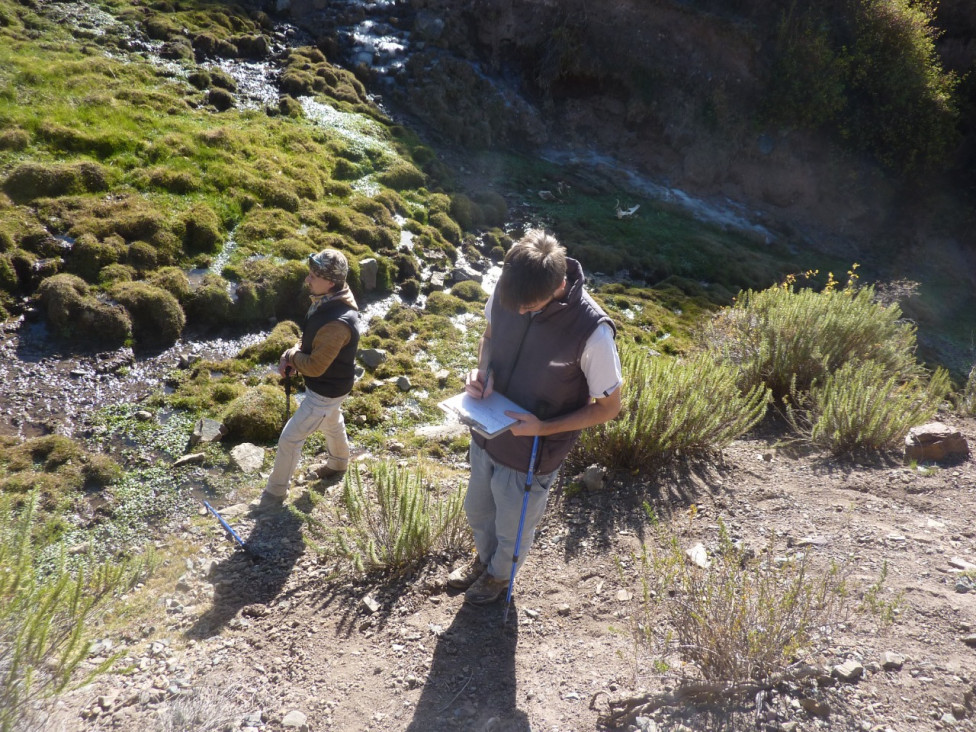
<point>470,291</point>
<point>157,318</point>
<point>282,337</point>
<point>256,416</point>
<point>73,311</point>
<point>89,255</point>
<point>210,304</point>
<point>30,181</point>
<point>57,462</point>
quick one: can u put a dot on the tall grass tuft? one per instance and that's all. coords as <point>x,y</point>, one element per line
<point>394,518</point>
<point>743,618</point>
<point>673,407</point>
<point>786,338</point>
<point>44,616</point>
<point>861,407</point>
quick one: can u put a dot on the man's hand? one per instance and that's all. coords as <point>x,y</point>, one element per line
<point>285,368</point>
<point>528,425</point>
<point>478,384</point>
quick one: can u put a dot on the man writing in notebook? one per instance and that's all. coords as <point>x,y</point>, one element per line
<point>548,347</point>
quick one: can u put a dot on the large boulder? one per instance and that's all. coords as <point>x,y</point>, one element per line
<point>933,442</point>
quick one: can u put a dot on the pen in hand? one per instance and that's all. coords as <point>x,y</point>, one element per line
<point>479,385</point>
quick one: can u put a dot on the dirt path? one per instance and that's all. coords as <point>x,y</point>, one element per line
<point>281,644</point>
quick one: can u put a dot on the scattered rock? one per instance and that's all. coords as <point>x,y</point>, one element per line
<point>848,671</point>
<point>892,661</point>
<point>372,357</point>
<point>368,270</point>
<point>594,477</point>
<point>698,556</point>
<point>248,457</point>
<point>207,430</point>
<point>195,458</point>
<point>371,604</point>
<point>933,442</point>
<point>294,719</point>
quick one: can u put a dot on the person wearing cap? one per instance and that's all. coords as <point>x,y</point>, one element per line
<point>550,348</point>
<point>325,357</point>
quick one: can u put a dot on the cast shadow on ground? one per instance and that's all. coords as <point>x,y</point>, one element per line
<point>623,502</point>
<point>471,684</point>
<point>241,580</point>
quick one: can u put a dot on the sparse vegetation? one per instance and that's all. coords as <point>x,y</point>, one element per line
<point>46,614</point>
<point>734,626</point>
<point>393,517</point>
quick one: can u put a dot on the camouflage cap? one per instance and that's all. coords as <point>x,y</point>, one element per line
<point>329,264</point>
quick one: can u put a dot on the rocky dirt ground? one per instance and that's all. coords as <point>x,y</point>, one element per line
<point>282,643</point>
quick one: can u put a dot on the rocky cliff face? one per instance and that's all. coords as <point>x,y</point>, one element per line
<point>670,88</point>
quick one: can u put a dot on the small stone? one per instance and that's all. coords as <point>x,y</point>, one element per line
<point>191,459</point>
<point>698,556</point>
<point>848,671</point>
<point>594,477</point>
<point>892,661</point>
<point>294,719</point>
<point>371,604</point>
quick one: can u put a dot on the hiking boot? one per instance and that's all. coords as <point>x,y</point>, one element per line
<point>464,576</point>
<point>266,503</point>
<point>486,590</point>
<point>326,473</point>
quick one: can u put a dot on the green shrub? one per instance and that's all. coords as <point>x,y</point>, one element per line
<point>870,71</point>
<point>157,317</point>
<point>393,518</point>
<point>861,406</point>
<point>903,108</point>
<point>45,616</point>
<point>256,415</point>
<point>967,399</point>
<point>786,339</point>
<point>672,407</point>
<point>282,337</point>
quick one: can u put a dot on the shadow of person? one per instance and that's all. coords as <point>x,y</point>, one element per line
<point>275,544</point>
<point>471,684</point>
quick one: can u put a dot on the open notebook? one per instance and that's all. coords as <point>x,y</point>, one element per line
<point>485,416</point>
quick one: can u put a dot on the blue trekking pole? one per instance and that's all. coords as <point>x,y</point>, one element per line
<point>233,534</point>
<point>518,536</point>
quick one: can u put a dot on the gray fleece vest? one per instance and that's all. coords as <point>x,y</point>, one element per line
<point>536,363</point>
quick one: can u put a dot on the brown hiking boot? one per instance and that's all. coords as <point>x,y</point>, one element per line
<point>464,576</point>
<point>486,590</point>
<point>266,504</point>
